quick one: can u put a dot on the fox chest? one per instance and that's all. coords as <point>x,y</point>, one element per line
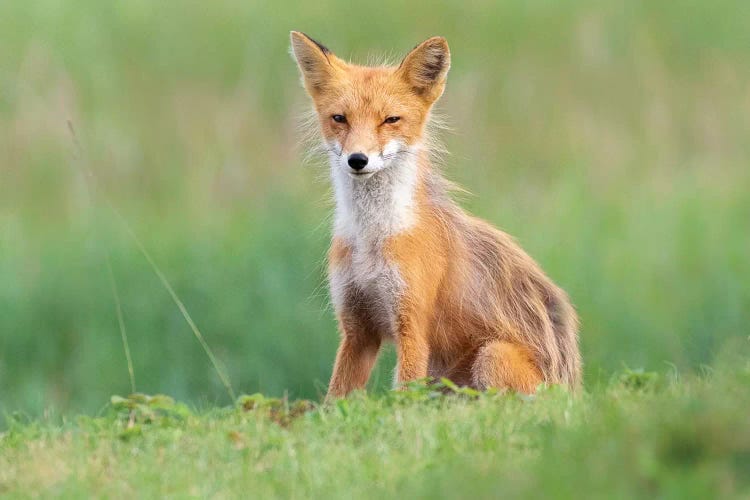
<point>366,289</point>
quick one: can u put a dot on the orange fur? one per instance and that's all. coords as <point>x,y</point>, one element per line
<point>504,364</point>
<point>458,297</point>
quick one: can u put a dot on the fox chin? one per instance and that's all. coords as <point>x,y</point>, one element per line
<point>458,297</point>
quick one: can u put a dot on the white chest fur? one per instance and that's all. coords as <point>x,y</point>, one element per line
<point>372,209</point>
<point>368,212</point>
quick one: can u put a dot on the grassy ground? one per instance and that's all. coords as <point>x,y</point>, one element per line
<point>643,436</point>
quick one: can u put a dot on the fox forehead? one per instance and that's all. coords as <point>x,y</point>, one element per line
<point>362,91</point>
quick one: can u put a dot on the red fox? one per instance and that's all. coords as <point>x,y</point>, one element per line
<point>459,298</point>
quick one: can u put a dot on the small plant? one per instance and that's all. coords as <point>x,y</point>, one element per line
<point>280,411</point>
<point>138,409</point>
<point>638,380</point>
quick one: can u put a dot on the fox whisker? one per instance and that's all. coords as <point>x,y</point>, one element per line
<point>399,153</point>
<point>333,150</point>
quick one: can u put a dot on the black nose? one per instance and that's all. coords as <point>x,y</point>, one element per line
<point>357,161</point>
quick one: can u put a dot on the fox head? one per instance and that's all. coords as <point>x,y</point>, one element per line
<point>372,118</point>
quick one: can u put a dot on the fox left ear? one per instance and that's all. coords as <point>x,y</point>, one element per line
<point>315,62</point>
<point>426,67</point>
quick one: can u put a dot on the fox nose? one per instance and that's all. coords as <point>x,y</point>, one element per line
<point>357,161</point>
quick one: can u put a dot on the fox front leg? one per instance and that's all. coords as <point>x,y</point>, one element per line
<point>355,359</point>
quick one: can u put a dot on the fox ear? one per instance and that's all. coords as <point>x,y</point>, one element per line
<point>314,61</point>
<point>425,68</point>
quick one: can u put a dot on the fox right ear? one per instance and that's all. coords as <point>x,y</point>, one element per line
<point>314,61</point>
<point>425,68</point>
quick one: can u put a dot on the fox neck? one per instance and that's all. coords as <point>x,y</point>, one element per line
<point>368,211</point>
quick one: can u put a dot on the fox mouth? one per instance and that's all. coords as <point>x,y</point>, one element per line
<point>360,174</point>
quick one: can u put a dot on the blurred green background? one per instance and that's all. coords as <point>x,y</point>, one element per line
<point>611,138</point>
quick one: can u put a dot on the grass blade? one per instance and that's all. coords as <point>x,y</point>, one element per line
<point>121,323</point>
<point>91,179</point>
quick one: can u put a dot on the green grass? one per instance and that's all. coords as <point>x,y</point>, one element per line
<point>642,436</point>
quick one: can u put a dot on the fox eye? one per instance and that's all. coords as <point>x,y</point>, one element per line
<point>339,118</point>
<point>392,119</point>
